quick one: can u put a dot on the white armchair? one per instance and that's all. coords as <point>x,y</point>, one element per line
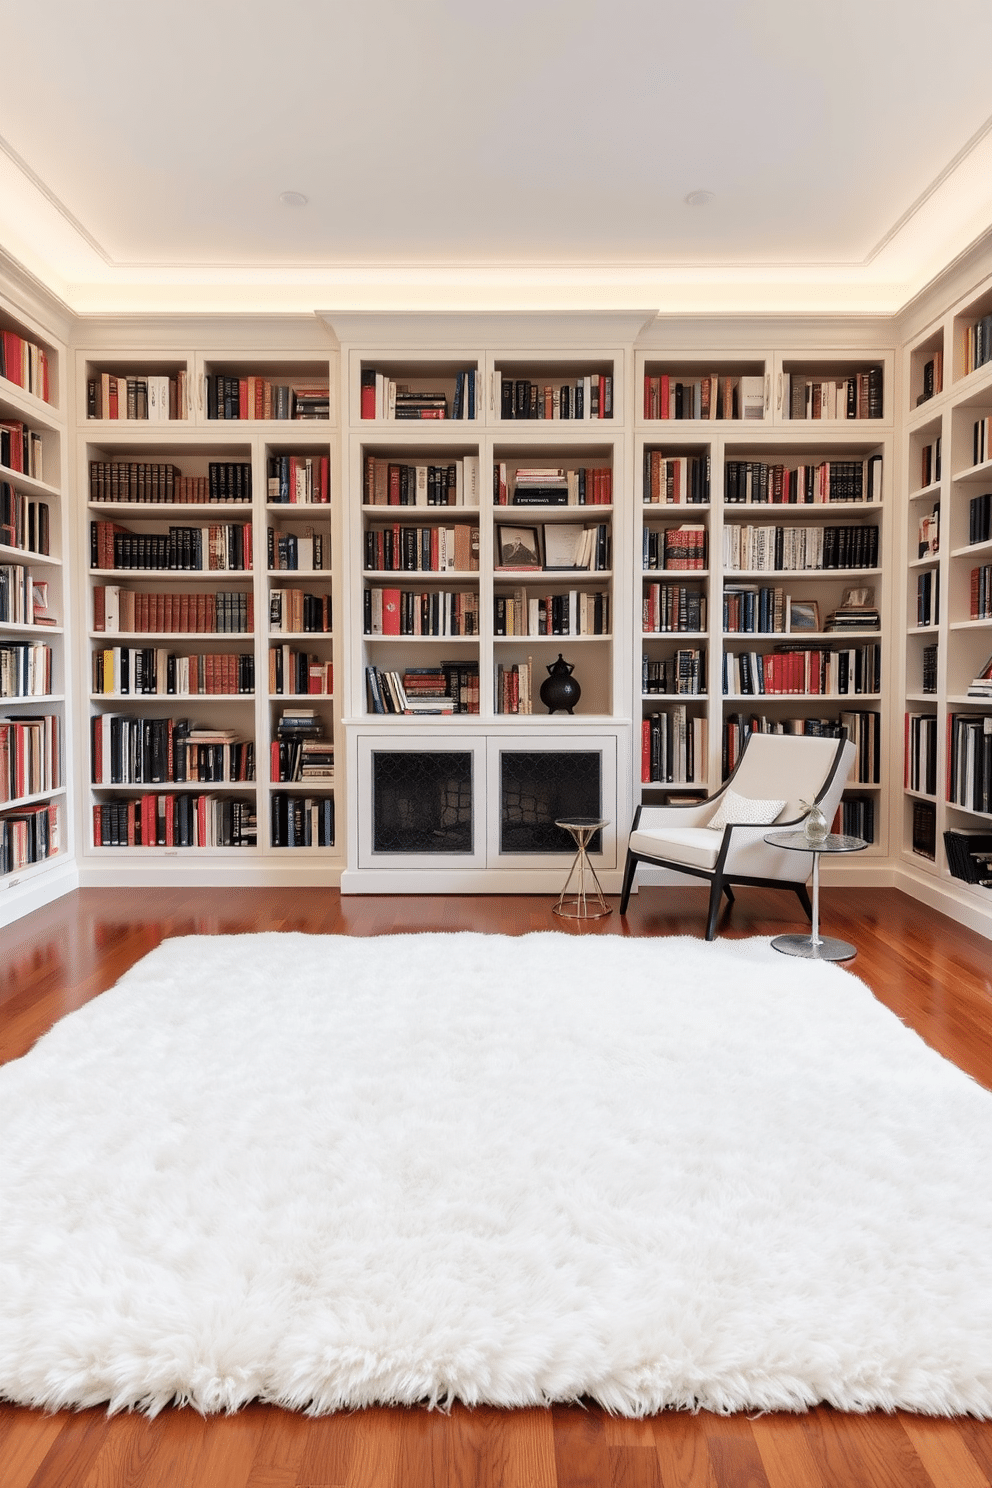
<point>774,770</point>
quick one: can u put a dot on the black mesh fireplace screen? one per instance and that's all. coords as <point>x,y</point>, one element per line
<point>421,802</point>
<point>538,786</point>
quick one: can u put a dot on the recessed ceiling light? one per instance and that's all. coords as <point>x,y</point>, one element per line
<point>699,198</point>
<point>293,199</point>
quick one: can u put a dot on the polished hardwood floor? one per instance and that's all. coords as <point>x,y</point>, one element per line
<point>933,974</point>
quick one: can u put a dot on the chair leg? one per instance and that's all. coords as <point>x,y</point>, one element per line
<point>803,898</point>
<point>630,868</point>
<point>729,893</point>
<point>716,894</point>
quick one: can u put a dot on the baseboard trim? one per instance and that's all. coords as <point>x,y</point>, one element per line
<point>35,887</point>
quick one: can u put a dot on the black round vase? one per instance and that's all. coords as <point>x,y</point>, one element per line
<point>559,691</point>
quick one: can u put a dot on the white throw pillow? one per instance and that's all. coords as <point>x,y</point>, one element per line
<point>744,811</point>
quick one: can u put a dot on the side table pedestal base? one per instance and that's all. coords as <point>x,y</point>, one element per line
<point>824,949</point>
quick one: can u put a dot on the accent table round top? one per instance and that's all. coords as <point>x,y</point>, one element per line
<point>834,842</point>
<point>580,823</point>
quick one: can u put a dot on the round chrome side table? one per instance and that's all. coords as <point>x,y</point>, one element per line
<point>582,898</point>
<point>815,947</point>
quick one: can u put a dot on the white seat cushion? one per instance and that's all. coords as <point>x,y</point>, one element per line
<point>697,846</point>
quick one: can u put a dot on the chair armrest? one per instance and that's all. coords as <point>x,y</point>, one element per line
<point>748,853</point>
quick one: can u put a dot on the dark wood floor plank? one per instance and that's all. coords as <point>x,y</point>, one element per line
<point>785,1453</point>
<point>26,1438</point>
<point>734,1453</point>
<point>945,1453</point>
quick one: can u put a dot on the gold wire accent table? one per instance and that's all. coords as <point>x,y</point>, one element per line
<point>582,897</point>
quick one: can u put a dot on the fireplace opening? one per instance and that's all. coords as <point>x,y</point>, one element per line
<point>422,801</point>
<point>538,786</point>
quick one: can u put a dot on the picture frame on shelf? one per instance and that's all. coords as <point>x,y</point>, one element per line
<point>563,545</point>
<point>519,547</point>
<point>804,615</point>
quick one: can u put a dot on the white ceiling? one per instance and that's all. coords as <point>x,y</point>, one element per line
<point>528,152</point>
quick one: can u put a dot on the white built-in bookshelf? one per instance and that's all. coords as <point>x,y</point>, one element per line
<point>387,582</point>
<point>777,489</point>
<point>946,819</point>
<point>210,544</point>
<point>36,843</point>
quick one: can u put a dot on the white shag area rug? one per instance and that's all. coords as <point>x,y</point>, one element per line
<point>326,1172</point>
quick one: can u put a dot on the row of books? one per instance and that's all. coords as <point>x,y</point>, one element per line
<point>980,518</point>
<point>969,856</point>
<point>920,753</point>
<point>576,612</point>
<point>22,449</point>
<point>675,480</point>
<point>299,480</point>
<point>751,482</point>
<point>25,364</point>
<point>933,378</point>
<point>858,396</point>
<point>981,450</point>
<point>980,592</point>
<point>156,397</point>
<point>24,521</point>
<point>30,835</point>
<point>131,750</point>
<point>551,485</point>
<point>148,671</point>
<point>294,611</point>
<point>856,817</point>
<point>978,344</point>
<point>928,678</point>
<point>674,747</point>
<point>816,671</point>
<point>156,482</point>
<point>308,551</point>
<point>672,607</point>
<point>219,547</point>
<point>118,611</point>
<point>969,761</point>
<point>760,548</point>
<point>682,673</point>
<point>301,821</point>
<point>398,483</point>
<point>928,597</point>
<point>299,672</point>
<point>409,612</point>
<point>672,396</point>
<point>578,398</point>
<point>433,549</point>
<point>514,687</point>
<point>928,536</point>
<point>301,759</point>
<point>25,669</point>
<point>924,831</point>
<point>681,548</point>
<point>863,728</point>
<point>766,611</point>
<point>930,456</point>
<point>176,820</point>
<point>381,397</point>
<point>30,755</point>
<point>450,687</point>
<point>258,398</point>
<point>23,596</point>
